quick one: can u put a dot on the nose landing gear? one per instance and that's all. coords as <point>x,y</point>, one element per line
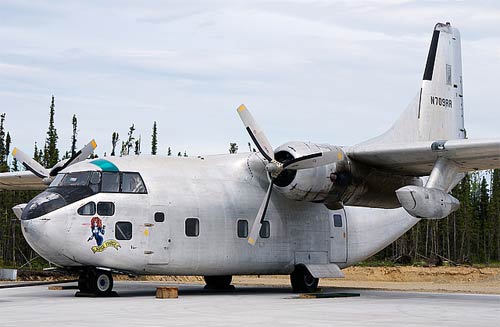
<point>96,281</point>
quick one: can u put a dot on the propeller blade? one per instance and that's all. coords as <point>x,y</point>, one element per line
<point>254,233</point>
<point>81,155</point>
<point>313,160</point>
<point>256,133</point>
<point>30,164</point>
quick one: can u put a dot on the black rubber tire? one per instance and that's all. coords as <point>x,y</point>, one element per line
<point>302,281</point>
<point>102,282</point>
<point>218,282</point>
<point>98,282</point>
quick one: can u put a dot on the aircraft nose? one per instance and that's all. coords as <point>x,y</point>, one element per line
<point>42,204</point>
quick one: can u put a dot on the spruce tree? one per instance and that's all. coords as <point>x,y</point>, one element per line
<point>114,140</point>
<point>185,154</point>
<point>51,153</point>
<point>154,140</point>
<point>179,154</point>
<point>137,146</point>
<point>233,148</point>
<point>127,145</point>
<point>74,122</point>
<point>169,151</point>
<point>2,142</point>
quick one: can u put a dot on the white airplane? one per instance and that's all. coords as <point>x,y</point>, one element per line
<point>302,209</point>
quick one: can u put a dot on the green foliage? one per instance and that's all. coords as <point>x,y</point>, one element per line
<point>115,137</point>
<point>74,123</point>
<point>154,140</point>
<point>129,143</point>
<point>50,152</point>
<point>233,148</point>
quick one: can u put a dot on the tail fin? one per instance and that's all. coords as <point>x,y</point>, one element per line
<point>437,111</point>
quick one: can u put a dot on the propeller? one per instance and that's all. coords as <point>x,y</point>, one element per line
<point>41,172</point>
<point>273,166</point>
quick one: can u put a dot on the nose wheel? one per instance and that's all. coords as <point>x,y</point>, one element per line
<point>96,281</point>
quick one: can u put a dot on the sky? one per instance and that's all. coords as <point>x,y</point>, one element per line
<point>337,72</point>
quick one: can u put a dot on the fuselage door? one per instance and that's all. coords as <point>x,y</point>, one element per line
<point>338,236</point>
<point>158,236</point>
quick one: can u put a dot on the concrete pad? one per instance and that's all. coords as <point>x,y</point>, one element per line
<point>138,306</point>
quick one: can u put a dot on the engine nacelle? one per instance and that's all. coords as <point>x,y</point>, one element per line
<point>315,184</point>
<point>430,203</point>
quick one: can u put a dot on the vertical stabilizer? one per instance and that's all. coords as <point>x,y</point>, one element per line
<point>437,111</point>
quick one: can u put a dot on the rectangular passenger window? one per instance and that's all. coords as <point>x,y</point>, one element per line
<point>132,183</point>
<point>337,220</point>
<point>123,230</point>
<point>110,182</point>
<point>192,226</point>
<point>159,217</point>
<point>105,208</point>
<point>265,230</point>
<point>87,209</point>
<point>242,228</point>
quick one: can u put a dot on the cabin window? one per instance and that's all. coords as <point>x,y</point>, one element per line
<point>123,230</point>
<point>337,220</point>
<point>132,183</point>
<point>242,228</point>
<point>110,182</point>
<point>192,226</point>
<point>265,230</point>
<point>87,209</point>
<point>159,217</point>
<point>105,208</point>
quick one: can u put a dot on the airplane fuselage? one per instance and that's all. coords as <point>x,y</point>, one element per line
<point>193,219</point>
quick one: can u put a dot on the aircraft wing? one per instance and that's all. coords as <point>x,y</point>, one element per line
<point>21,180</point>
<point>418,158</point>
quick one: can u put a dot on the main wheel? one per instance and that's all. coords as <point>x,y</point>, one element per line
<point>218,282</point>
<point>302,280</point>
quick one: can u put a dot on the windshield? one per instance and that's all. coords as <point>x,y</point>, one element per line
<point>107,182</point>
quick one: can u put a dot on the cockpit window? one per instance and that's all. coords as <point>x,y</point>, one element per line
<point>132,183</point>
<point>110,182</point>
<point>107,182</point>
<point>80,178</point>
<point>57,180</point>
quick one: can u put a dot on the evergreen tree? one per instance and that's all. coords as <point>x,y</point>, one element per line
<point>137,146</point>
<point>127,145</point>
<point>185,154</point>
<point>179,154</point>
<point>15,165</point>
<point>233,148</point>
<point>154,140</point>
<point>169,151</point>
<point>5,164</point>
<point>114,140</point>
<point>3,152</point>
<point>74,122</point>
<point>494,213</point>
<point>51,153</point>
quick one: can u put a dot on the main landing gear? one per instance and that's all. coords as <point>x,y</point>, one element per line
<point>96,281</point>
<point>302,280</point>
<point>218,282</point>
